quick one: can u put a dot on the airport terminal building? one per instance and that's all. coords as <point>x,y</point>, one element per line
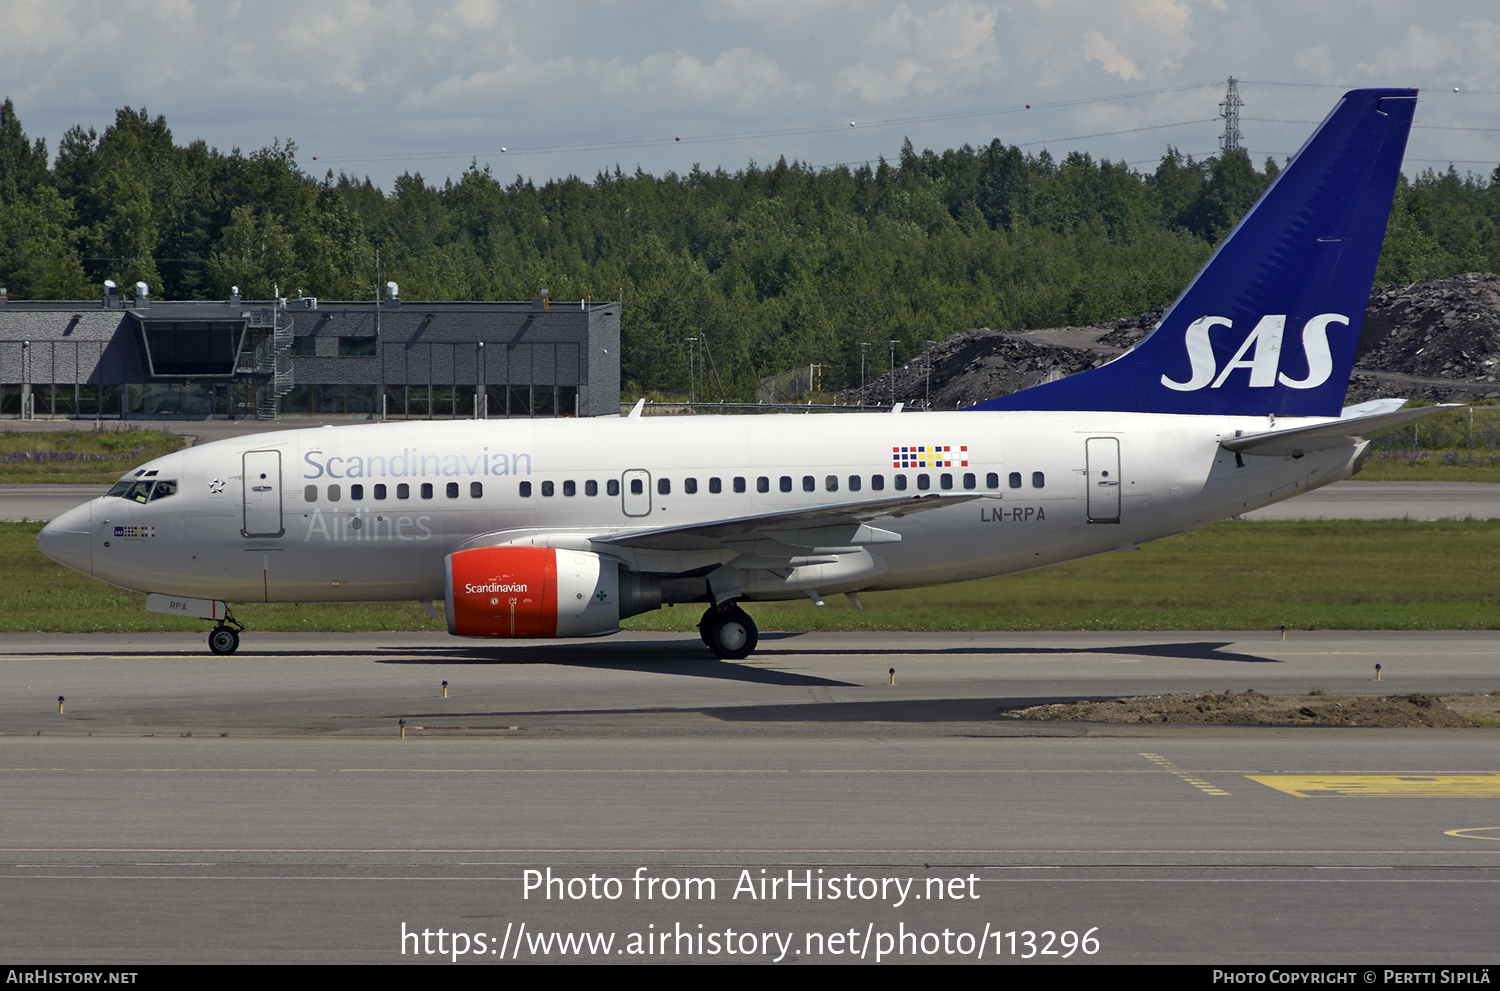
<point>133,358</point>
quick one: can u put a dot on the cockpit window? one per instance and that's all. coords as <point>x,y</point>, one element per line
<point>164,487</point>
<point>120,487</point>
<point>139,492</point>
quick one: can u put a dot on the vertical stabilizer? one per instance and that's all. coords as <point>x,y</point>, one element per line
<point>1271,323</point>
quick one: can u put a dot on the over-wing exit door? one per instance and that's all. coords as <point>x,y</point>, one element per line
<point>635,492</point>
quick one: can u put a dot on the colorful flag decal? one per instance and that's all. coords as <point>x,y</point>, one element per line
<point>928,456</point>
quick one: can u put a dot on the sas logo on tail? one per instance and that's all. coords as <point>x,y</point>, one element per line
<point>1260,354</point>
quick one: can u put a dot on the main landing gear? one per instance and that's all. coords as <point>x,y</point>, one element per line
<point>728,631</point>
<point>225,638</point>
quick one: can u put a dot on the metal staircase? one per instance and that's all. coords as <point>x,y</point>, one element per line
<point>278,361</point>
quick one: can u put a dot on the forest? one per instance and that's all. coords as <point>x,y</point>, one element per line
<point>770,267</point>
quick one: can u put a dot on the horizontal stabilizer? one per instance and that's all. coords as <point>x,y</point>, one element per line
<point>1295,441</point>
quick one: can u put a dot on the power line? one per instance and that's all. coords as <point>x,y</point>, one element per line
<point>768,133</point>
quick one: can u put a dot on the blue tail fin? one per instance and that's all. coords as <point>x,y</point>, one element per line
<point>1270,324</point>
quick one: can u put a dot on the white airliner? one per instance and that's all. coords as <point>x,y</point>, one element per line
<point>561,528</point>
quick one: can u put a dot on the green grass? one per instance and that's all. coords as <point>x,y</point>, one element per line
<point>82,456</point>
<point>1457,446</point>
<point>1379,575</point>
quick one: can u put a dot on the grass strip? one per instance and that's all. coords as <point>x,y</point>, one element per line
<point>81,456</point>
<point>1349,575</point>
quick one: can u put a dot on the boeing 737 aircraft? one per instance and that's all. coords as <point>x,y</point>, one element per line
<point>561,528</point>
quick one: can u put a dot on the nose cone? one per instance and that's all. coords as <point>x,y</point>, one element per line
<point>66,539</point>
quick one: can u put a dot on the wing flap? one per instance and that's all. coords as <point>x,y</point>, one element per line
<point>844,524</point>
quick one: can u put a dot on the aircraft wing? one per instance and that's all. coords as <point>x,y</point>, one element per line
<point>1296,441</point>
<point>844,525</point>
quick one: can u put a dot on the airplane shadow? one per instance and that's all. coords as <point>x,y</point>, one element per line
<point>1205,650</point>
<point>688,657</point>
<point>671,657</point>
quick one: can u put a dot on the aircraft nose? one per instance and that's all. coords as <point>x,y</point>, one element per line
<point>66,539</point>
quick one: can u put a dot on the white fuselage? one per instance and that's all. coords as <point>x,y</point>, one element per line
<point>316,528</point>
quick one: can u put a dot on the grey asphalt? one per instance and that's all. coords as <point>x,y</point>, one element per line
<point>1352,500</point>
<point>312,832</point>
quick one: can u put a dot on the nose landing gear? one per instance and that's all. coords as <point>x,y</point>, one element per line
<point>225,638</point>
<point>729,632</point>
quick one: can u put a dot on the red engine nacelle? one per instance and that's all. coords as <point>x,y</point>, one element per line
<point>531,592</point>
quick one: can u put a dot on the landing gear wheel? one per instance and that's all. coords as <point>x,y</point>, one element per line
<point>224,640</point>
<point>730,634</point>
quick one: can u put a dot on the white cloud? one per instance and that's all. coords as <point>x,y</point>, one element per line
<point>738,75</point>
<point>385,85</point>
<point>1137,39</point>
<point>949,44</point>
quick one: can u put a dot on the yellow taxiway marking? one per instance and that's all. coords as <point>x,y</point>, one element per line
<point>1383,785</point>
<point>1194,780</point>
<point>1476,833</point>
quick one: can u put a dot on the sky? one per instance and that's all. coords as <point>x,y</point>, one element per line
<point>543,90</point>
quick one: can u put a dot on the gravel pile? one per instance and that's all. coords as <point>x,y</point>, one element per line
<point>1251,708</point>
<point>1438,341</point>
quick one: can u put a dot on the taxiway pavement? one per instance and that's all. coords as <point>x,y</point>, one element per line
<point>264,808</point>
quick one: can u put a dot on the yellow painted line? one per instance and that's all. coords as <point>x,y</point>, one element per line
<point>1475,833</point>
<point>1383,785</point>
<point>1195,781</point>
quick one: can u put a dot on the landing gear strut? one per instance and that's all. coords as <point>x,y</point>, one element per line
<point>728,631</point>
<point>225,638</point>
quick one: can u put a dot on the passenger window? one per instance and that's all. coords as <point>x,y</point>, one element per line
<point>853,483</point>
<point>809,484</point>
<point>900,481</point>
<point>547,489</point>
<point>452,490</point>
<point>739,484</point>
<point>945,481</point>
<point>763,484</point>
<point>831,483</point>
<point>663,486</point>
<point>1038,480</point>
<point>525,490</point>
<point>992,480</point>
<point>164,488</point>
<point>569,488</point>
<point>403,491</point>
<point>591,488</point>
<point>1015,480</point>
<point>335,492</point>
<point>786,483</point>
<point>924,482</point>
<point>690,485</point>
<point>877,483</point>
<point>380,491</point>
<point>637,487</point>
<point>426,490</point>
<point>476,490</point>
<point>715,486</point>
<point>356,492</point>
<point>970,482</point>
<point>612,487</point>
<point>310,493</point>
